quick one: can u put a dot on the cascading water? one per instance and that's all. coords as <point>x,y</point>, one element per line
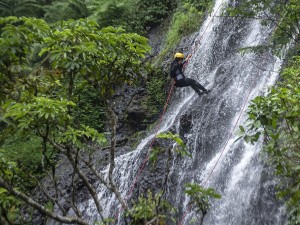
<point>233,169</point>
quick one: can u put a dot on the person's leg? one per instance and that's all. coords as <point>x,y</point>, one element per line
<point>181,83</point>
<point>186,83</point>
<point>195,85</point>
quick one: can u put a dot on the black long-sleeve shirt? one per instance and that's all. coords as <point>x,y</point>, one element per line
<point>176,70</point>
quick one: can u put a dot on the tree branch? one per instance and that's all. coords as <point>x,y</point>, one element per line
<point>284,30</point>
<point>78,213</point>
<point>102,180</point>
<point>112,144</point>
<point>48,196</point>
<point>36,205</point>
<point>86,182</point>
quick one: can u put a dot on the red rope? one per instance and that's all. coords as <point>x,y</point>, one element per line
<point>229,136</point>
<point>141,169</point>
<point>159,124</point>
<point>152,141</point>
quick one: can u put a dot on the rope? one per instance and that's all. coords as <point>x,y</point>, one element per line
<point>229,136</point>
<point>193,50</point>
<point>201,36</point>
<point>152,141</point>
<point>159,124</point>
<point>141,169</point>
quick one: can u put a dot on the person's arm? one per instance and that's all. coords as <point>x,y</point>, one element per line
<point>173,69</point>
<point>186,61</point>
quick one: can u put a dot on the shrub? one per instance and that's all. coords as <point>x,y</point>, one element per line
<point>185,21</point>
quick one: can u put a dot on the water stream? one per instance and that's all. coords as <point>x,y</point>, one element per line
<point>240,176</point>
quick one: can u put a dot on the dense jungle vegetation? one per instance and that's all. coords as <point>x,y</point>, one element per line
<point>61,64</point>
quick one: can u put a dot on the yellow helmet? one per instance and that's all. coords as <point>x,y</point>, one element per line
<point>179,55</point>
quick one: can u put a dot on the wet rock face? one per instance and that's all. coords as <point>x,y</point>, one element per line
<point>64,173</point>
<point>137,113</point>
<point>153,176</point>
<point>132,111</point>
<point>185,124</point>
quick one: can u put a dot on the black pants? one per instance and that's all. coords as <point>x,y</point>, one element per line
<point>185,82</point>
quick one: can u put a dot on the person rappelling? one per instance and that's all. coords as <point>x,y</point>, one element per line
<point>176,73</point>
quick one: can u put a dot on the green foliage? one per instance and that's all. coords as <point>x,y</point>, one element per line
<point>25,151</point>
<point>9,206</point>
<point>181,148</point>
<point>283,14</point>
<point>66,9</point>
<point>150,208</point>
<point>150,13</point>
<point>202,5</point>
<point>200,196</point>
<point>19,8</point>
<point>277,116</point>
<point>106,58</point>
<point>6,168</point>
<point>41,113</point>
<point>89,109</point>
<point>185,20</point>
<point>134,15</point>
<point>76,137</point>
<point>9,172</point>
<point>156,95</point>
<point>105,12</point>
<point>19,37</point>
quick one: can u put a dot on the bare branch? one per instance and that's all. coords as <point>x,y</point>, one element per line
<point>86,182</point>
<point>102,180</point>
<point>112,157</point>
<point>281,28</point>
<point>78,213</point>
<point>155,219</point>
<point>112,144</point>
<point>48,195</point>
<point>36,205</point>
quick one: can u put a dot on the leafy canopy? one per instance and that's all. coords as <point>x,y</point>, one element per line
<point>42,68</point>
<point>106,57</point>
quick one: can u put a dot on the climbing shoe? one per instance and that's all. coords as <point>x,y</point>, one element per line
<point>207,91</point>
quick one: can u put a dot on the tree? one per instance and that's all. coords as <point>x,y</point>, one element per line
<point>38,98</point>
<point>19,8</point>
<point>64,10</point>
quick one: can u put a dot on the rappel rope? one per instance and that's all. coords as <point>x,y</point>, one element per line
<point>152,141</point>
<point>197,42</point>
<point>148,153</point>
<point>229,136</point>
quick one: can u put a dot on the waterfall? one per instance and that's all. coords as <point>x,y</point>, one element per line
<point>233,168</point>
